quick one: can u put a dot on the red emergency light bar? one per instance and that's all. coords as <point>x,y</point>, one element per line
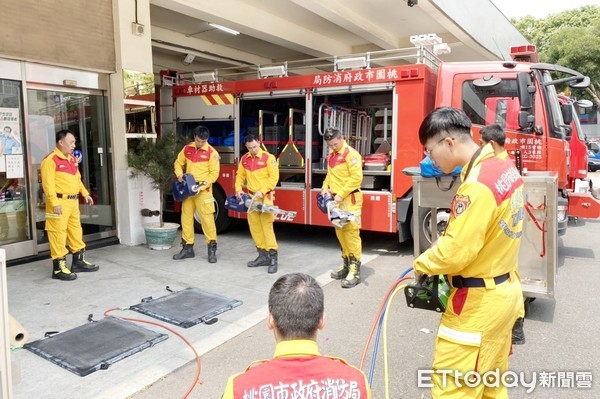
<point>527,53</point>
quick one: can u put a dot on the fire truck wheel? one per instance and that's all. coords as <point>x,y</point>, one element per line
<point>222,219</point>
<point>443,215</point>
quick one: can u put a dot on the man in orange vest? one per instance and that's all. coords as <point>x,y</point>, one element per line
<point>62,186</point>
<point>296,313</point>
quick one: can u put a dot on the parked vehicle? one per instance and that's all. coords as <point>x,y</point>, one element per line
<point>593,161</point>
<point>379,107</point>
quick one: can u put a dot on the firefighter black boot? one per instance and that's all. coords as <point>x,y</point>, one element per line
<point>261,260</point>
<point>187,251</point>
<point>353,277</point>
<point>60,271</point>
<point>212,252</point>
<point>518,335</point>
<point>79,264</point>
<point>272,261</point>
<point>342,271</point>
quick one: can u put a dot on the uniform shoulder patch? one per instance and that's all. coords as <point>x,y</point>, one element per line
<point>273,162</point>
<point>460,204</point>
<point>217,157</point>
<point>354,160</point>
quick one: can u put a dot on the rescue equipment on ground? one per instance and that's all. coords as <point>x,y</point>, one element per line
<point>186,188</point>
<point>337,216</point>
<point>428,292</point>
<point>249,205</point>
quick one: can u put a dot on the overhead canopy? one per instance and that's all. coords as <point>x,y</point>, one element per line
<point>272,31</point>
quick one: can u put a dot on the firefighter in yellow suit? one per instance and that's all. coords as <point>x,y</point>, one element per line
<point>479,254</point>
<point>495,136</point>
<point>343,181</point>
<point>202,161</point>
<point>62,186</point>
<point>259,170</point>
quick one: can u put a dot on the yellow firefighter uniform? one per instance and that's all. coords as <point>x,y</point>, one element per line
<point>344,177</point>
<point>204,164</point>
<point>62,186</point>
<point>478,251</point>
<point>260,173</point>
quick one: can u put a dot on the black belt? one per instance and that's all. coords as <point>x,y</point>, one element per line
<point>67,196</point>
<point>473,282</point>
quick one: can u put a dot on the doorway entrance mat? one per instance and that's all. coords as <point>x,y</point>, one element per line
<point>95,345</point>
<point>187,307</point>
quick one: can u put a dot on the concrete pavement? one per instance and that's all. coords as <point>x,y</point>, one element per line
<point>560,332</point>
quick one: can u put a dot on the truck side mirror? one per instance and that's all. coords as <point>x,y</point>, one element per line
<point>526,120</point>
<point>567,113</point>
<point>525,90</point>
<point>568,132</point>
<point>581,83</point>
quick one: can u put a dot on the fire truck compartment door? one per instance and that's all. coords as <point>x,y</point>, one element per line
<point>257,95</point>
<point>204,108</point>
<point>538,254</point>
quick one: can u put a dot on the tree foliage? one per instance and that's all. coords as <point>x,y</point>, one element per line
<point>571,39</point>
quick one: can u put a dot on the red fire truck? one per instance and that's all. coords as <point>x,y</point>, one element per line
<point>378,100</point>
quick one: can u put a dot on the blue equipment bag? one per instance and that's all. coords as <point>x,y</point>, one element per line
<point>187,188</point>
<point>234,204</point>
<point>430,169</point>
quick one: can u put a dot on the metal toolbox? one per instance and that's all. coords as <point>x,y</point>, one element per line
<point>538,254</point>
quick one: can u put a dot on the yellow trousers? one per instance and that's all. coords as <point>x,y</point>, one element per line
<point>261,226</point>
<point>349,235</point>
<point>204,204</point>
<point>475,335</point>
<point>64,229</point>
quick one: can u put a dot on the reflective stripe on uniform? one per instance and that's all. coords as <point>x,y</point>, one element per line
<point>459,337</point>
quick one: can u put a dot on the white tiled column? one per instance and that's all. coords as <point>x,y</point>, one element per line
<point>134,53</point>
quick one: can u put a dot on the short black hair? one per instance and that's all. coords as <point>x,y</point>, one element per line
<point>201,132</point>
<point>296,303</point>
<point>61,134</point>
<point>493,133</point>
<point>332,133</point>
<point>250,138</point>
<point>445,119</point>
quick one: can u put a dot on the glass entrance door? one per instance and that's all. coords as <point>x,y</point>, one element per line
<point>85,114</point>
<point>14,206</point>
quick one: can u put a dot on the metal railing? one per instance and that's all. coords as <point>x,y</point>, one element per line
<point>410,55</point>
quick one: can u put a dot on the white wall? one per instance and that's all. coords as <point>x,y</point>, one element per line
<point>133,53</point>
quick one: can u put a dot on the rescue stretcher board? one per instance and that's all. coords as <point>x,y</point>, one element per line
<point>95,345</point>
<point>187,307</point>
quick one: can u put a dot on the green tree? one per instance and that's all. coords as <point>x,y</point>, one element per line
<point>570,38</point>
